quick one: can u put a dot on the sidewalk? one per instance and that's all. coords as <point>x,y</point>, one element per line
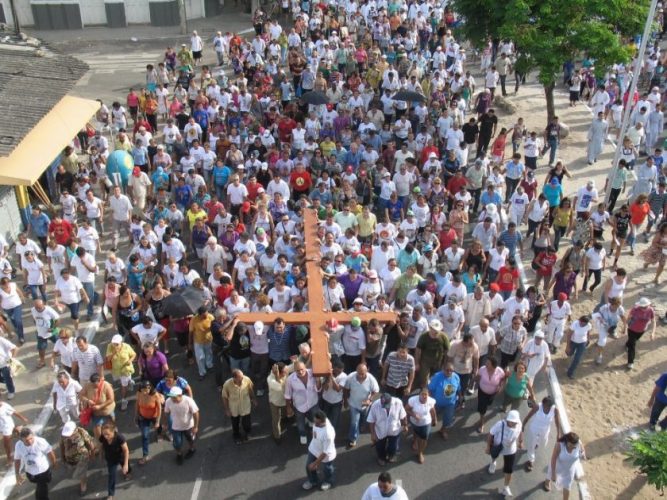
<point>237,22</point>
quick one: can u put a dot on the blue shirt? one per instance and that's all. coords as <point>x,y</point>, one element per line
<point>201,117</point>
<point>183,195</point>
<point>162,388</point>
<point>279,345</point>
<point>140,155</point>
<point>511,241</point>
<point>494,198</point>
<point>444,389</point>
<point>221,175</point>
<point>553,194</point>
<point>40,225</point>
<point>514,170</point>
<point>662,384</point>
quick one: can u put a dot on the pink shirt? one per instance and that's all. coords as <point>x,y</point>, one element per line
<point>490,383</point>
<point>303,397</point>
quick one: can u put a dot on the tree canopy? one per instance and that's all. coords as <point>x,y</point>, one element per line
<point>547,33</point>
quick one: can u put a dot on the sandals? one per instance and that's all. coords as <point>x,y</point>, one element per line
<point>143,460</point>
<point>547,485</point>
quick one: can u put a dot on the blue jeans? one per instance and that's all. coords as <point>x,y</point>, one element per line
<point>111,481</point>
<point>204,357</point>
<point>656,410</point>
<point>38,291</point>
<point>145,425</point>
<point>242,364</point>
<point>446,415</point>
<point>6,377</point>
<point>355,417</point>
<point>301,419</point>
<point>386,447</point>
<point>578,350</point>
<point>180,436</point>
<point>92,296</point>
<point>327,469</point>
<point>16,317</point>
<point>552,146</point>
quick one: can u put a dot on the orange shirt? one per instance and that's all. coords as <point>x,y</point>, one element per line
<point>639,212</point>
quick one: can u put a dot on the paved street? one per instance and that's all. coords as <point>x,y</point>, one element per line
<point>258,469</point>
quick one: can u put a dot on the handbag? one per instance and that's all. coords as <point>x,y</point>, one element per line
<point>496,449</point>
<point>86,414</point>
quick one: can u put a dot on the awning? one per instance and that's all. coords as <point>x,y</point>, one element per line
<point>45,141</point>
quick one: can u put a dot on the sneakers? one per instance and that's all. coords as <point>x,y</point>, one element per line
<point>631,366</point>
<point>303,440</point>
<point>350,445</point>
<point>470,392</point>
<point>123,404</point>
<point>506,492</point>
<point>598,360</point>
<point>492,467</point>
<point>325,486</point>
<point>307,485</point>
<point>11,395</point>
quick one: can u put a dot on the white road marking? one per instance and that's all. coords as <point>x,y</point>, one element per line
<point>9,479</point>
<point>196,489</point>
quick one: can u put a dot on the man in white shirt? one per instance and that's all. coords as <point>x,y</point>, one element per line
<point>70,292</point>
<point>384,489</point>
<point>121,209</point>
<point>237,193</point>
<point>321,451</point>
<point>32,455</point>
<point>386,417</point>
<point>46,319</point>
<point>86,269</point>
<point>184,414</point>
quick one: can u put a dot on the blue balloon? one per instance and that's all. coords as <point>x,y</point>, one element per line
<point>119,167</point>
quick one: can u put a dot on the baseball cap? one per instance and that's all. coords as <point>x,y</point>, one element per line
<point>68,429</point>
<point>259,327</point>
<point>435,324</point>
<point>494,287</point>
<point>372,274</point>
<point>332,323</point>
<point>539,334</point>
<point>175,392</point>
<point>562,296</point>
<point>117,339</point>
<point>136,171</point>
<point>356,321</point>
<point>358,300</point>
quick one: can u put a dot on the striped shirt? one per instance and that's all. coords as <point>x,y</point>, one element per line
<point>398,370</point>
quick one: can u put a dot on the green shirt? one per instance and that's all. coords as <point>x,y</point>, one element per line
<point>515,387</point>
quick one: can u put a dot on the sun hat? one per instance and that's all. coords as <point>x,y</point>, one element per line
<point>435,324</point>
<point>513,416</point>
<point>643,302</point>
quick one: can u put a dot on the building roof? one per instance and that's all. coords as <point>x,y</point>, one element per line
<point>33,79</point>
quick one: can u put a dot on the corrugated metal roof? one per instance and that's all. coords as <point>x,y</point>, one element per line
<point>32,81</point>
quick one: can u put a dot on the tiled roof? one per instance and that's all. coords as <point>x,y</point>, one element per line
<point>32,80</point>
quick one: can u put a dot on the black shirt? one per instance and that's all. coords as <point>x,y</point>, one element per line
<point>239,346</point>
<point>65,180</point>
<point>113,451</point>
<point>470,131</point>
<point>487,122</point>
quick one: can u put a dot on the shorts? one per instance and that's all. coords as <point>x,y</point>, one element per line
<point>43,343</point>
<point>125,380</point>
<point>421,431</point>
<point>101,420</point>
<point>151,87</point>
<point>79,471</point>
<point>134,110</point>
<point>7,430</point>
<point>74,309</point>
<point>484,400</point>
<point>196,54</point>
<point>508,463</point>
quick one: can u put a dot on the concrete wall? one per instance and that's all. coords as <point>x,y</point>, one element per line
<point>94,12</point>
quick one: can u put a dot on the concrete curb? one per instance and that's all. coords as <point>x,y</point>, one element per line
<point>9,479</point>
<point>557,394</point>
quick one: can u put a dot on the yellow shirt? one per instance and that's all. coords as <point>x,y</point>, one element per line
<point>200,328</point>
<point>366,225</point>
<point>193,216</point>
<point>327,147</point>
<point>121,361</point>
<point>238,396</point>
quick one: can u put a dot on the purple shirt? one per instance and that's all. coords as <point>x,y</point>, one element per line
<point>350,287</point>
<point>152,368</point>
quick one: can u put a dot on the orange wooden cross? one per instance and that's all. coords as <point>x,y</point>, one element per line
<point>316,316</point>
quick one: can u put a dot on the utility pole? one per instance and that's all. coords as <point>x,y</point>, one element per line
<point>631,92</point>
<point>15,18</point>
<point>183,15</point>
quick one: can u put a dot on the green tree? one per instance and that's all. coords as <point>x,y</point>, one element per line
<point>547,33</point>
<point>649,454</point>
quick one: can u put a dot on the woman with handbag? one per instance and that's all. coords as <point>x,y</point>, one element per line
<point>97,404</point>
<point>119,359</point>
<point>148,414</point>
<point>505,438</point>
<point>152,364</point>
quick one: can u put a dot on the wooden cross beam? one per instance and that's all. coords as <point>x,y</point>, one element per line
<point>316,316</point>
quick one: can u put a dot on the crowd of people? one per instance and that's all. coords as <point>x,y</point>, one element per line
<point>421,212</point>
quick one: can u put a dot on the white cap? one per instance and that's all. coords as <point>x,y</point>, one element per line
<point>117,339</point>
<point>259,327</point>
<point>643,302</point>
<point>513,416</point>
<point>358,300</point>
<point>435,324</point>
<point>175,392</point>
<point>539,334</point>
<point>68,429</point>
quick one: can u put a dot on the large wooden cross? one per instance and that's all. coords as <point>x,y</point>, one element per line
<point>316,316</point>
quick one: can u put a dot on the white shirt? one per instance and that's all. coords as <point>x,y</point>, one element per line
<point>65,351</point>
<point>70,290</point>
<point>330,395</point>
<point>595,258</point>
<point>509,436</point>
<point>66,397</point>
<point>43,320</point>
<point>580,332</point>
<point>12,299</point>
<point>559,313</point>
<point>303,397</point>
<point>148,334</point>
<point>182,413</point>
<point>323,442</point>
<point>82,272</point>
<point>237,194</point>
<point>354,340</point>
<point>421,410</point>
<point>120,207</point>
<point>34,457</point>
<point>585,198</point>
<point>387,423</point>
<point>88,361</point>
<point>373,493</point>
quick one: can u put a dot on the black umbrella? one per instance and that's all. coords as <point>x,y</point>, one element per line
<point>315,98</point>
<point>184,302</point>
<point>408,95</point>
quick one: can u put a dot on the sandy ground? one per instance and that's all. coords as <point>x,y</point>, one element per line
<point>606,404</point>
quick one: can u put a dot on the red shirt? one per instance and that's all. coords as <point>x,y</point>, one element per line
<point>639,212</point>
<point>212,210</point>
<point>300,181</point>
<point>62,231</point>
<point>285,128</point>
<point>426,153</point>
<point>223,292</point>
<point>547,262</point>
<point>506,278</point>
<point>252,190</point>
<point>455,184</point>
<point>446,238</point>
